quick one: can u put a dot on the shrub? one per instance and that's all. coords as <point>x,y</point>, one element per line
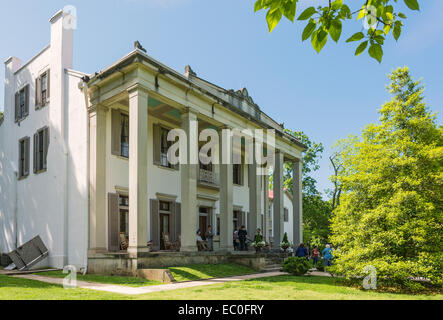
<point>320,265</point>
<point>297,266</point>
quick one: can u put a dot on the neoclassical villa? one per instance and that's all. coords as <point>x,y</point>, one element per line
<point>84,162</point>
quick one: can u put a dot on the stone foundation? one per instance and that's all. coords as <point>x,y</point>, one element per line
<point>122,264</point>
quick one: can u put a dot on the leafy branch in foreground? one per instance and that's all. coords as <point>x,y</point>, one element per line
<point>380,17</point>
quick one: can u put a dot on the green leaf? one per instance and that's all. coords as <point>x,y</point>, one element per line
<point>412,4</point>
<point>335,29</point>
<point>309,12</point>
<point>273,17</point>
<point>259,4</point>
<point>397,30</point>
<point>376,52</point>
<point>362,47</point>
<point>309,29</point>
<point>356,37</point>
<point>319,39</point>
<point>336,5</point>
<point>402,15</point>
<point>289,9</point>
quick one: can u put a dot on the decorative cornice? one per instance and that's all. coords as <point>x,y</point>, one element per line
<point>138,87</point>
<point>244,95</point>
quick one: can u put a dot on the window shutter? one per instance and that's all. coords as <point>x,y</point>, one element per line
<point>17,102</point>
<point>48,84</point>
<point>116,132</point>
<point>178,220</point>
<point>172,232</point>
<point>26,156</point>
<point>113,223</point>
<point>35,152</point>
<point>156,144</point>
<point>20,173</point>
<point>26,100</point>
<point>155,223</point>
<point>38,93</point>
<point>45,147</point>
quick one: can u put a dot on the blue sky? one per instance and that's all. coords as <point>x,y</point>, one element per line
<point>328,96</point>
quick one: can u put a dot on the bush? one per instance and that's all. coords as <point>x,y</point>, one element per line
<point>297,266</point>
<point>320,265</point>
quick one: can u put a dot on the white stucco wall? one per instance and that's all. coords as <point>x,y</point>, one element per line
<point>51,204</point>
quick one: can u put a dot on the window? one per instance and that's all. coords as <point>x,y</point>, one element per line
<point>164,147</point>
<point>124,136</point>
<point>41,144</point>
<point>161,147</point>
<point>285,215</point>
<point>42,90</point>
<point>237,174</point>
<point>23,158</point>
<point>22,103</point>
<point>124,214</point>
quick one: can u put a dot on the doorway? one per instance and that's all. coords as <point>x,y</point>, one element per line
<point>164,215</point>
<point>204,220</point>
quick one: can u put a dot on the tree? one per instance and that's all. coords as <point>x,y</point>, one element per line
<point>390,214</point>
<point>381,18</point>
<point>316,211</point>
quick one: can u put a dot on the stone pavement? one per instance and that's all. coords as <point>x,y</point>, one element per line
<point>156,288</point>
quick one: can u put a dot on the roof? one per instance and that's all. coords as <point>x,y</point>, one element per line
<point>237,100</point>
<point>271,193</point>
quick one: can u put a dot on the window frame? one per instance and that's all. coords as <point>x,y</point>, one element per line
<point>23,158</point>
<point>123,117</point>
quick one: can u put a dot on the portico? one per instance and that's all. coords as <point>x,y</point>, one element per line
<point>166,198</point>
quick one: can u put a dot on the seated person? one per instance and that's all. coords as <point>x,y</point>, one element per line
<point>202,245</point>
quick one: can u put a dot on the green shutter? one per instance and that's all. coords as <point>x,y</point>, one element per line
<point>17,103</point>
<point>155,223</point>
<point>116,132</point>
<point>26,156</point>
<point>113,223</point>
<point>156,144</point>
<point>26,100</point>
<point>36,165</point>
<point>38,93</point>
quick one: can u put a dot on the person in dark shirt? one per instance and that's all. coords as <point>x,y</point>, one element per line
<point>302,251</point>
<point>242,233</point>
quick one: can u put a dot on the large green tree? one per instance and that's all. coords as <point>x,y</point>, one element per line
<point>316,211</point>
<point>381,18</point>
<point>390,214</point>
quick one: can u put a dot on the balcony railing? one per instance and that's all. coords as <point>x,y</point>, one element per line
<point>207,177</point>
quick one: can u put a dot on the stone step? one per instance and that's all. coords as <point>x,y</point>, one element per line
<point>276,269</point>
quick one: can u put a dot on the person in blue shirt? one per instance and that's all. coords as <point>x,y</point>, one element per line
<point>302,252</point>
<point>327,255</point>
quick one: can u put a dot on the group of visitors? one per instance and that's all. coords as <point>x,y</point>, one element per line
<point>208,244</point>
<point>315,255</point>
<point>239,239</point>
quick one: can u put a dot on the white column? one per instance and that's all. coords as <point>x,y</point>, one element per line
<point>278,200</point>
<point>266,207</point>
<point>254,218</point>
<point>297,202</point>
<point>226,192</point>
<point>188,172</point>
<point>97,179</point>
<point>138,170</point>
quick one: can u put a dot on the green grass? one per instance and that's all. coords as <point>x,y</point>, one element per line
<point>282,287</point>
<point>118,280</point>
<point>207,271</point>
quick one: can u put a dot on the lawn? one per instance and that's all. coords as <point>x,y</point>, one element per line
<point>207,271</point>
<point>281,287</point>
<point>185,273</point>
<point>118,280</point>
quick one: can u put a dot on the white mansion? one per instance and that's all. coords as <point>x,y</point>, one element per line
<point>83,159</point>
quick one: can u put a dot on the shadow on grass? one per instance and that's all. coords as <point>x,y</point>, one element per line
<point>208,271</point>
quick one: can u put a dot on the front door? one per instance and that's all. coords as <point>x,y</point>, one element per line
<point>164,228</point>
<point>203,223</point>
